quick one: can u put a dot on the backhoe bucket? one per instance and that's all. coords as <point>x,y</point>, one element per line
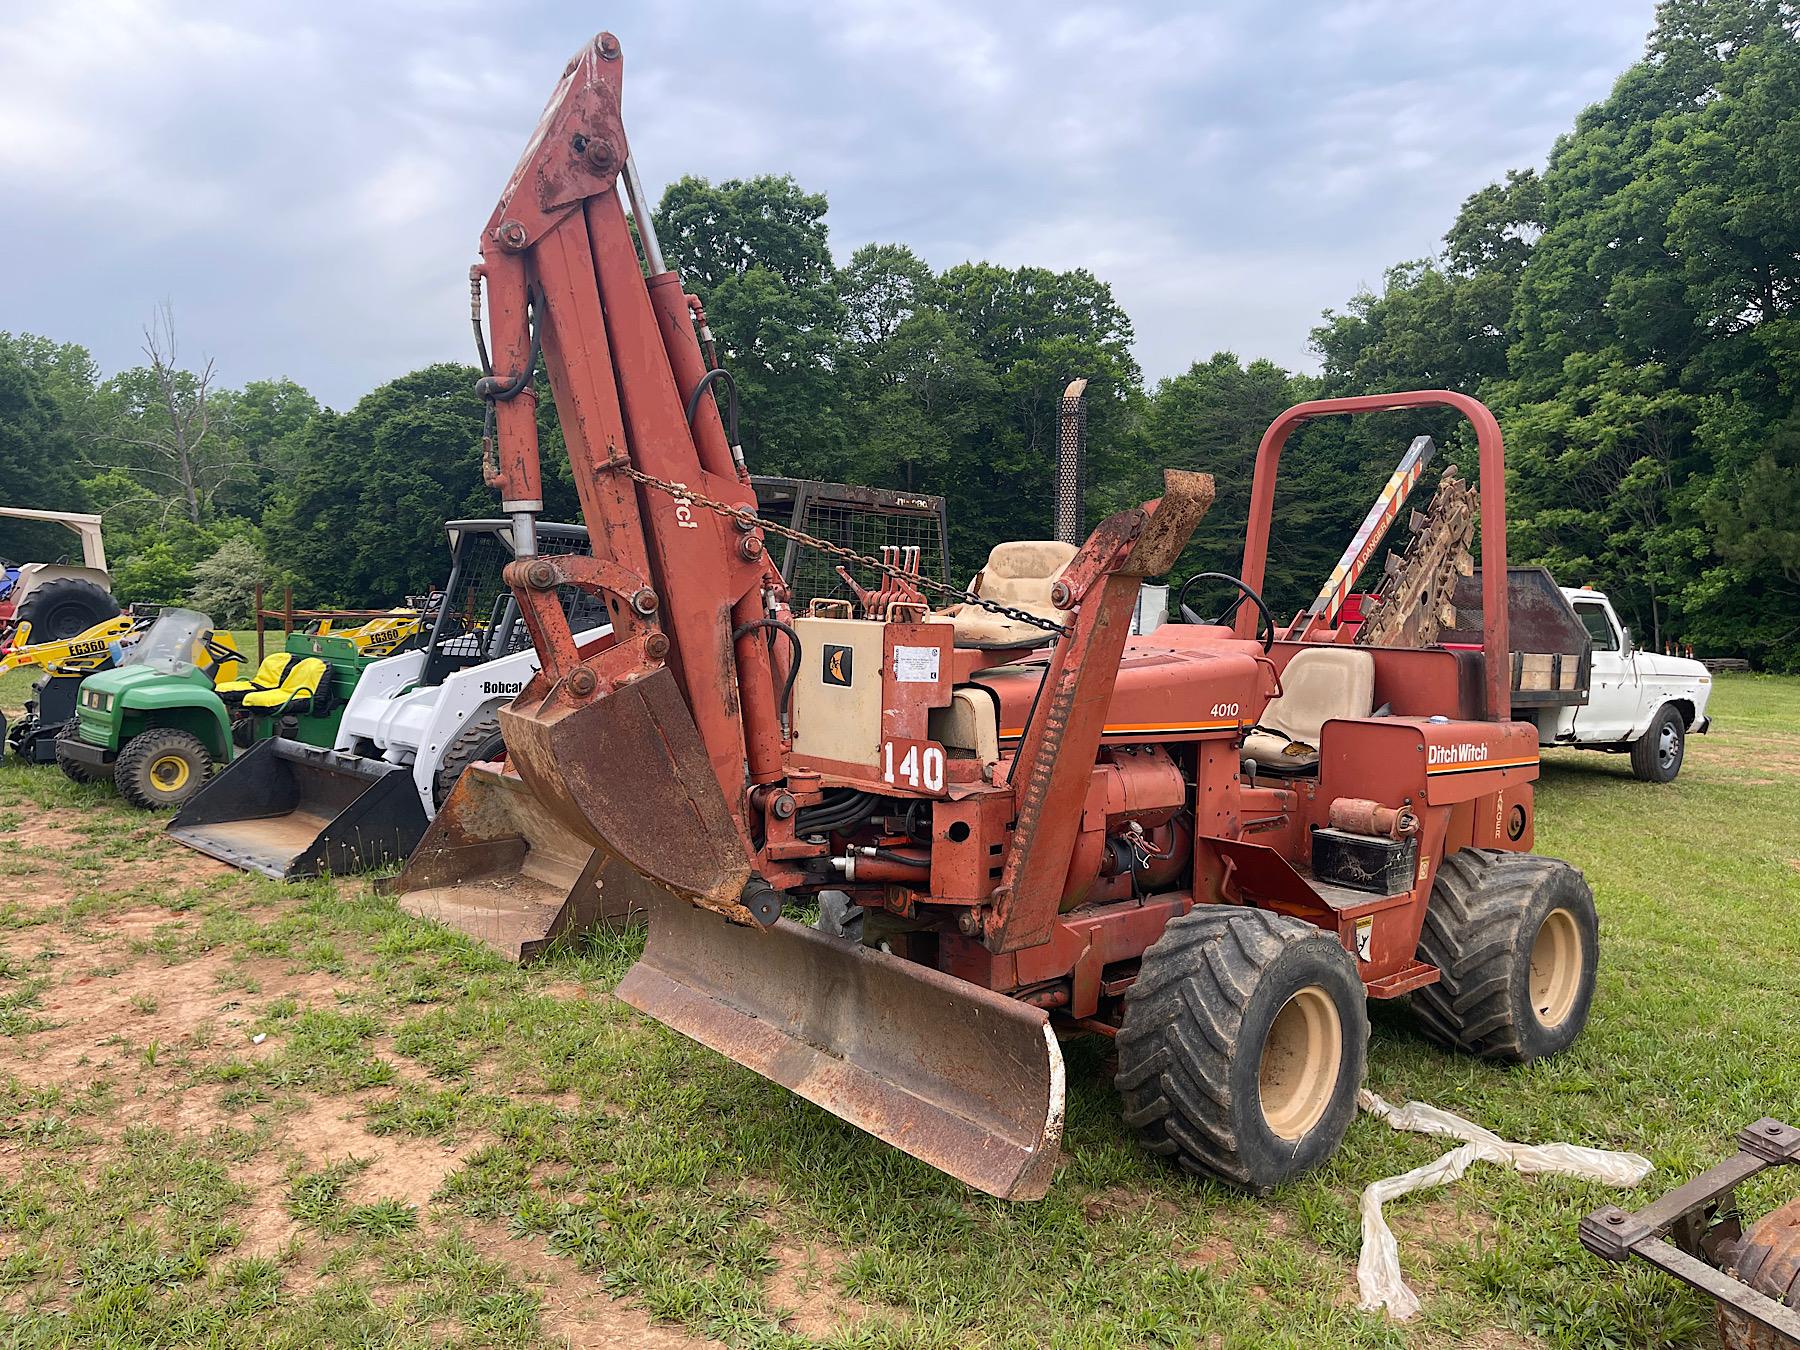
<point>290,810</point>
<point>967,1080</point>
<point>498,867</point>
<point>627,774</point>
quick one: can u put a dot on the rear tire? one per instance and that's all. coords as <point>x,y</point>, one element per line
<point>1768,1260</point>
<point>162,768</point>
<point>1517,941</point>
<point>64,606</point>
<point>1243,1045</point>
<point>479,740</point>
<point>72,769</point>
<point>1656,755</point>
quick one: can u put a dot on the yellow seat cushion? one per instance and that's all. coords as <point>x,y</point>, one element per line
<point>296,689</point>
<point>268,675</point>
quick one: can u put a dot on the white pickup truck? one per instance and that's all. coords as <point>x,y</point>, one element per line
<point>1579,678</point>
<point>1638,702</point>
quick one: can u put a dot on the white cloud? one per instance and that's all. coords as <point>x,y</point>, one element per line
<point>308,181</point>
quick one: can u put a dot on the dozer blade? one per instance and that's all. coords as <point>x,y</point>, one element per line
<point>496,866</point>
<point>290,810</point>
<point>627,774</point>
<point>962,1078</point>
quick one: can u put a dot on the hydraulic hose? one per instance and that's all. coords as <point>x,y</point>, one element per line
<point>776,625</point>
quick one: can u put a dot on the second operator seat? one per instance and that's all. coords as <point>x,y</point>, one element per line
<point>1319,684</point>
<point>1018,575</point>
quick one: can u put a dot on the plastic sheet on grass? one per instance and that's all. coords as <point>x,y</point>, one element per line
<point>1378,1278</point>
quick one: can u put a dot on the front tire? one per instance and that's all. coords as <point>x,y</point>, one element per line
<point>72,769</point>
<point>479,740</point>
<point>1656,755</point>
<point>1243,1045</point>
<point>65,606</point>
<point>162,768</point>
<point>1516,941</point>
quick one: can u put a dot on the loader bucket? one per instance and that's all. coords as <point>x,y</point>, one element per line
<point>964,1079</point>
<point>494,865</point>
<point>290,810</point>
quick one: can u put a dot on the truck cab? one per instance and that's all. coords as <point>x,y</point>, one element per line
<point>1638,701</point>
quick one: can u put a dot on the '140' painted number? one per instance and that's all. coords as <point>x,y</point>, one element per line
<point>913,764</point>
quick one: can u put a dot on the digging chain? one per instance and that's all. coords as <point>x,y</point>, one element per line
<point>742,517</point>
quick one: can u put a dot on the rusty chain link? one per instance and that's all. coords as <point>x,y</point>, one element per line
<point>743,517</point>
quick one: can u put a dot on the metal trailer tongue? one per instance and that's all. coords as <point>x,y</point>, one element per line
<point>964,1079</point>
<point>290,810</point>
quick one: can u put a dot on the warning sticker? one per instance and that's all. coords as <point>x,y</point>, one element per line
<point>916,665</point>
<point>1365,937</point>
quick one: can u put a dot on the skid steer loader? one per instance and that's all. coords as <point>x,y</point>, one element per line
<point>1054,828</point>
<point>415,720</point>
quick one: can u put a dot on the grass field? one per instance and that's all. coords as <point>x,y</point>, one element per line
<point>234,1113</point>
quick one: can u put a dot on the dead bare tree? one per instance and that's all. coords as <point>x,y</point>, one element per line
<point>165,426</point>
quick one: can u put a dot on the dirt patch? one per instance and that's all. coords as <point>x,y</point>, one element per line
<point>804,1283</point>
<point>41,834</point>
<point>103,1019</point>
<point>575,1310</point>
<point>1117,1201</point>
<point>402,1167</point>
<point>1211,1253</point>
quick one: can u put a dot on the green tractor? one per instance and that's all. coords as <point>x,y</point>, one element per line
<point>171,712</point>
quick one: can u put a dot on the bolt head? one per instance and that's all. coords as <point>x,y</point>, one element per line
<point>511,234</point>
<point>1061,596</point>
<point>541,575</point>
<point>750,547</point>
<point>783,805</point>
<point>657,645</point>
<point>645,602</point>
<point>969,921</point>
<point>609,47</point>
<point>581,682</point>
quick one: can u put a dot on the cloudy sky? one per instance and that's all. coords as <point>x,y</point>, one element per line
<point>305,179</point>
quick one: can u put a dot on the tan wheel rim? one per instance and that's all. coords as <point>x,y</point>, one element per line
<point>169,773</point>
<point>1555,968</point>
<point>1300,1062</point>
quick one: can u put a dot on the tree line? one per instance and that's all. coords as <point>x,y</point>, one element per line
<point>1628,313</point>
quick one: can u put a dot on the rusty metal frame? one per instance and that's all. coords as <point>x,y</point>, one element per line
<point>1680,1232</point>
<point>1496,677</point>
<point>795,496</point>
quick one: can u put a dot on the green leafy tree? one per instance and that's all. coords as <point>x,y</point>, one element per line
<point>757,253</point>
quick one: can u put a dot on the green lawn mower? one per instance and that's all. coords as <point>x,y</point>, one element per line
<point>171,712</point>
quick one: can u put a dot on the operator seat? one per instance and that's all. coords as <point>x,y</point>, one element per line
<point>1018,575</point>
<point>305,688</point>
<point>1319,684</point>
<point>268,676</point>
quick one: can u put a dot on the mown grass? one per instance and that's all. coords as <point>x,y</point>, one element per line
<point>659,1173</point>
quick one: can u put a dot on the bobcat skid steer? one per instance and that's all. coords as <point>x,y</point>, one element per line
<point>414,723</point>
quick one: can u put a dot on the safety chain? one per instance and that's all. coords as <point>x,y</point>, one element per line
<point>743,517</point>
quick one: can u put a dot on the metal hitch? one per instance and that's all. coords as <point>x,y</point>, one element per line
<point>290,810</point>
<point>962,1078</point>
<point>496,866</point>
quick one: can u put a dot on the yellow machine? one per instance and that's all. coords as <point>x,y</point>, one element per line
<point>85,646</point>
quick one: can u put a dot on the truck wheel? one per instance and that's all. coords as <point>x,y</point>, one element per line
<point>162,768</point>
<point>1768,1260</point>
<point>1243,1045</point>
<point>1656,755</point>
<point>479,740</point>
<point>64,606</point>
<point>1516,940</point>
<point>73,769</point>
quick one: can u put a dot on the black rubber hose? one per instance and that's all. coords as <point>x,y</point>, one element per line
<point>793,675</point>
<point>707,381</point>
<point>497,390</point>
